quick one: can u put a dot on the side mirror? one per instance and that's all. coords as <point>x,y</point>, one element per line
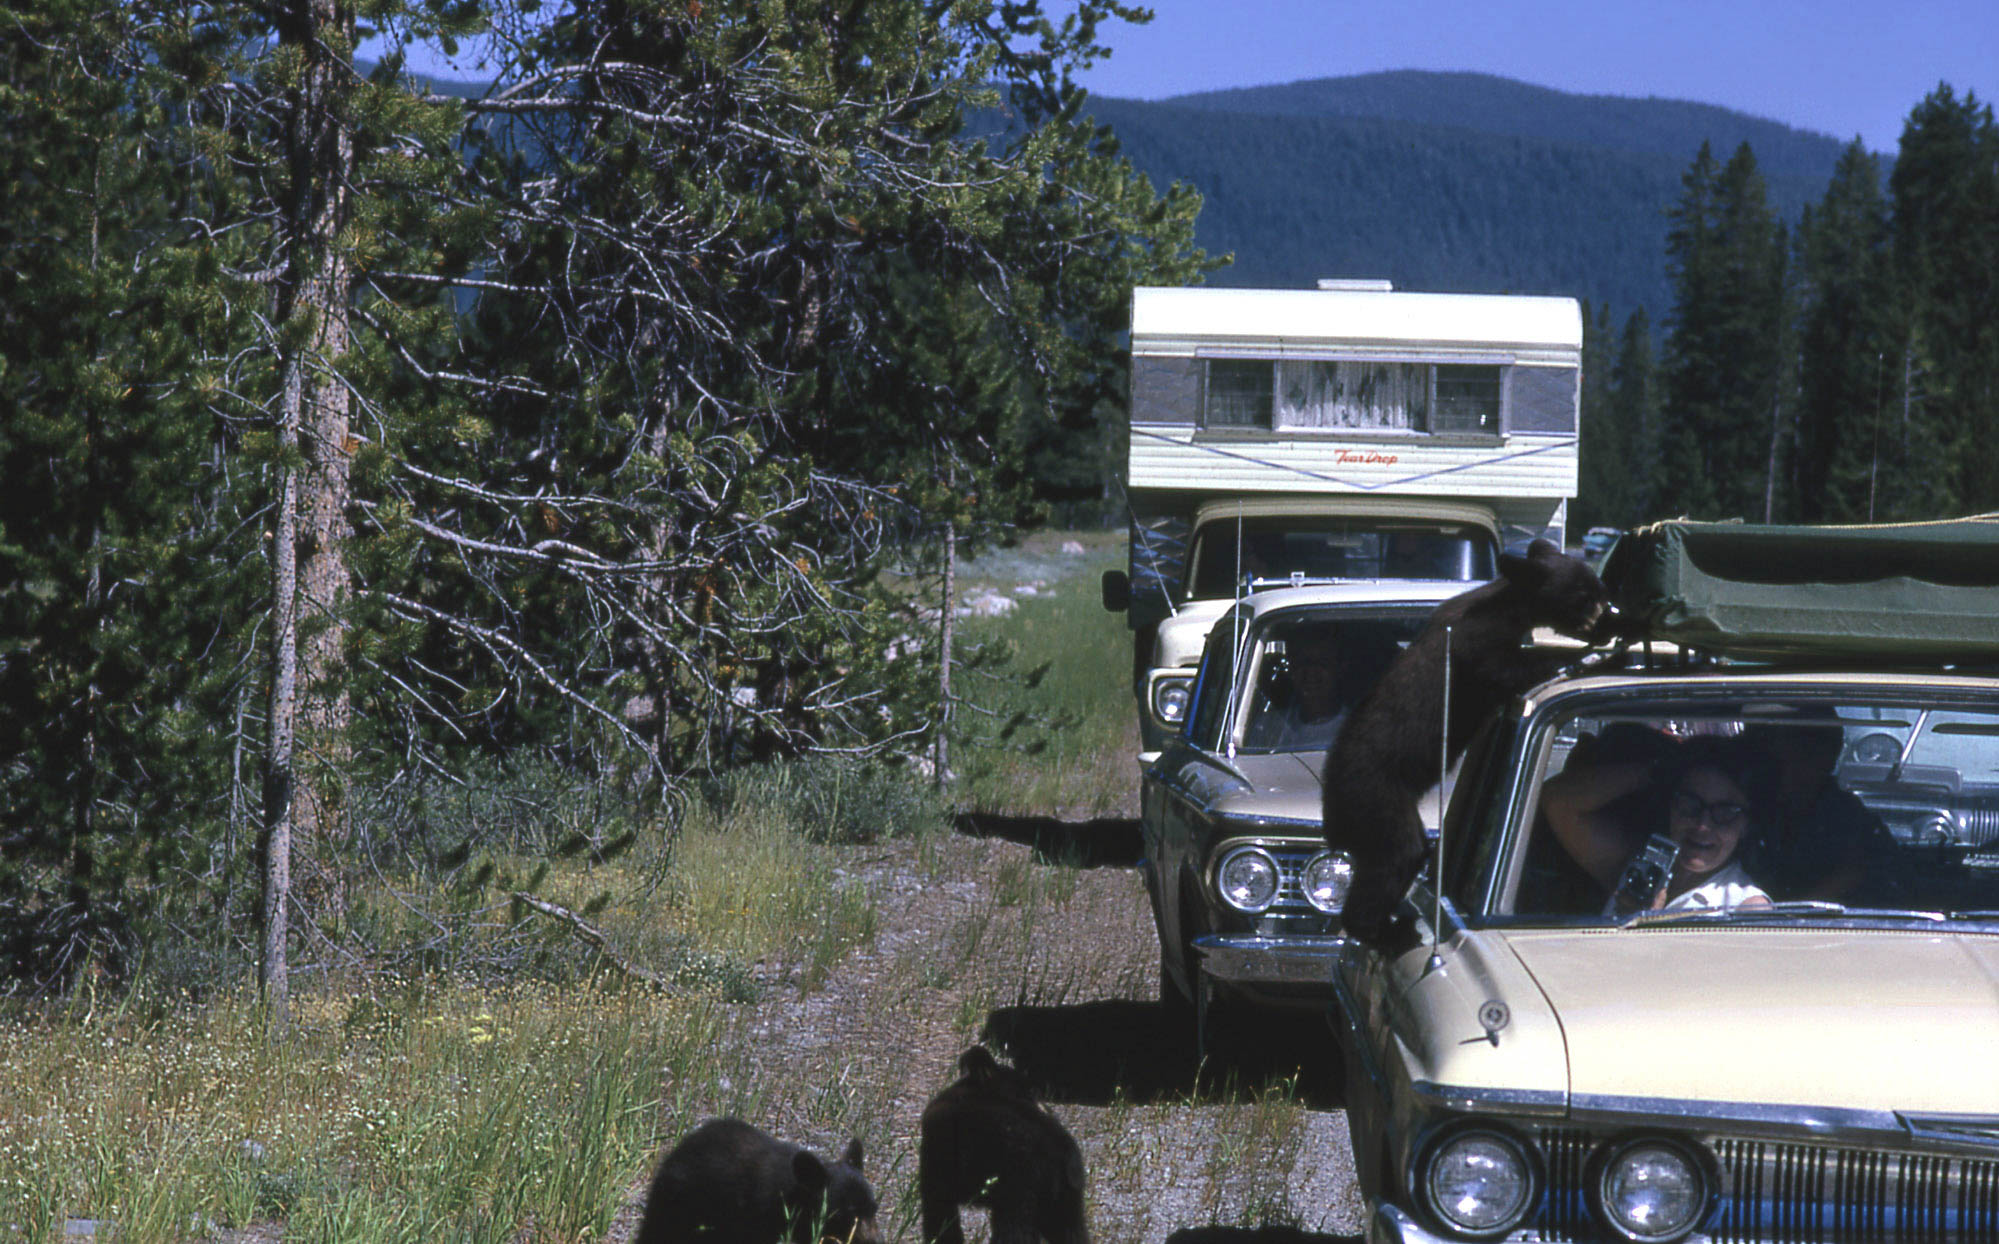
<point>1117,591</point>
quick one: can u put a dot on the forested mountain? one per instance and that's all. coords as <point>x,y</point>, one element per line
<point>1449,181</point>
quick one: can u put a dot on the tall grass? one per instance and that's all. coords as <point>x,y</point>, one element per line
<point>1085,767</point>
<point>399,1111</point>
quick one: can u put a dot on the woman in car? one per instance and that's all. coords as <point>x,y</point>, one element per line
<point>1706,795</point>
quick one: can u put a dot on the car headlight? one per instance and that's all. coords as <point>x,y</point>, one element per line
<point>1169,699</point>
<point>1479,1183</point>
<point>1247,879</point>
<point>1326,880</point>
<point>1651,1191</point>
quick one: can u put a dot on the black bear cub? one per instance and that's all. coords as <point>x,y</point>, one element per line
<point>728,1183</point>
<point>987,1142</point>
<point>1387,754</point>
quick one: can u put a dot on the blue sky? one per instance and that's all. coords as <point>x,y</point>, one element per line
<point>1841,67</point>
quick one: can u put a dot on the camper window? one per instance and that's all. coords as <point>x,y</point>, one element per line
<point>1467,399</point>
<point>1238,394</point>
<point>1361,394</point>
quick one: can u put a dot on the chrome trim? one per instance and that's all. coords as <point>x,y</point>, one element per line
<point>1818,1123</point>
<point>1465,1099</point>
<point>1344,1019</point>
<point>1253,958</point>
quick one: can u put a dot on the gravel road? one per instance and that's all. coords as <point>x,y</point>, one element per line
<point>982,938</point>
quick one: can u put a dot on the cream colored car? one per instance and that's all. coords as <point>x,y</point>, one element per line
<point>1596,1033</point>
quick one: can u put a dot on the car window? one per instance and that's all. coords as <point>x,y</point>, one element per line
<point>1308,671</point>
<point>1207,716</point>
<point>1865,801</point>
<point>1273,548</point>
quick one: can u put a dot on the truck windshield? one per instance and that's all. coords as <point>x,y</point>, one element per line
<point>1277,547</point>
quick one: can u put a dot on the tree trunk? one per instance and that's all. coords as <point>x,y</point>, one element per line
<point>321,152</point>
<point>308,544</point>
<point>947,625</point>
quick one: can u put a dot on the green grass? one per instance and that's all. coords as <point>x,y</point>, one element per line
<point>444,1104</point>
<point>1084,767</point>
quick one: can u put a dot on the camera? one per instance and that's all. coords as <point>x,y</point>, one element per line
<point>1646,874</point>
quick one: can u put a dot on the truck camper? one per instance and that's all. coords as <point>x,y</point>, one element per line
<point>1348,432</point>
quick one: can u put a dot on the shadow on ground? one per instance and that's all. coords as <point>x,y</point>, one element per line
<point>1105,842</point>
<point>1096,1053</point>
<point>1256,1235</point>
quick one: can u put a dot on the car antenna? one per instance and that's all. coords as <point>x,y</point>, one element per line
<point>1443,772</point>
<point>1235,644</point>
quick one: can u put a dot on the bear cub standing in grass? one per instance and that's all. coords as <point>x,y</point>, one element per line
<point>1387,754</point>
<point>986,1142</point>
<point>728,1183</point>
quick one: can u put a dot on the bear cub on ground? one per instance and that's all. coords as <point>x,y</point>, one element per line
<point>1387,754</point>
<point>987,1142</point>
<point>729,1183</point>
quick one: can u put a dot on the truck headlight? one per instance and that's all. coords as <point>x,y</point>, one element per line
<point>1478,1182</point>
<point>1247,879</point>
<point>1169,699</point>
<point>1326,880</point>
<point>1651,1191</point>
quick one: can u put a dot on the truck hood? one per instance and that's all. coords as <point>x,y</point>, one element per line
<point>1867,1019</point>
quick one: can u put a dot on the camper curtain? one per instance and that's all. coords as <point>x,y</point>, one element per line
<point>1321,394</point>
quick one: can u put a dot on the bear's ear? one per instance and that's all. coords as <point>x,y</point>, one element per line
<point>1541,550</point>
<point>808,1170</point>
<point>977,1061</point>
<point>852,1155</point>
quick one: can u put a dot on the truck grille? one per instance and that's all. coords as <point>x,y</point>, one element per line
<point>1807,1194</point>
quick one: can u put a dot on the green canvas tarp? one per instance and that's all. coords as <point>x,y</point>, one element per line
<point>1892,594</point>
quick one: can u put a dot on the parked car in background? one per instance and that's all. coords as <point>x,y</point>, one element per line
<point>1244,893</point>
<point>1570,1045</point>
<point>1597,542</point>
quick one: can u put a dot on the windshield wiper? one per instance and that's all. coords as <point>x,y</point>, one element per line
<point>1795,907</point>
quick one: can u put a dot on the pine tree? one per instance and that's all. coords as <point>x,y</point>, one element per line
<point>1847,340</point>
<point>1635,413</point>
<point>1606,450</point>
<point>121,598</point>
<point>1945,196</point>
<point>1724,363</point>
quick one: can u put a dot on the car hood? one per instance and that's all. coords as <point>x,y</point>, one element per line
<point>1282,786</point>
<point>1286,786</point>
<point>1869,1019</point>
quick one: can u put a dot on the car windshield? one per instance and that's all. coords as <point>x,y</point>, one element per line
<point>1307,672</point>
<point>1857,805</point>
<point>1276,547</point>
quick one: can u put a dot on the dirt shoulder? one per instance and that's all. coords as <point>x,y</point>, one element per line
<point>982,936</point>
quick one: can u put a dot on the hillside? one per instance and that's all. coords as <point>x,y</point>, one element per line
<point>1449,181</point>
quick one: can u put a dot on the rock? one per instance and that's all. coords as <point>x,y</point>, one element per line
<point>1072,548</point>
<point>986,603</point>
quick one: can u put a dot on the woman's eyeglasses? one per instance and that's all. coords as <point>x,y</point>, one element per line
<point>1723,814</point>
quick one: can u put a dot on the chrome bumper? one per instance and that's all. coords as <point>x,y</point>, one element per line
<point>1256,959</point>
<point>1389,1225</point>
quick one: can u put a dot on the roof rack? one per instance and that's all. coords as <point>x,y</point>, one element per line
<point>1909,594</point>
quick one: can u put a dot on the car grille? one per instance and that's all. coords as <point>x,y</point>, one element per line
<point>1807,1194</point>
<point>1290,886</point>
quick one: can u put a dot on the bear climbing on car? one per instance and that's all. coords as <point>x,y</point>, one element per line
<point>1388,754</point>
<point>987,1142</point>
<point>729,1183</point>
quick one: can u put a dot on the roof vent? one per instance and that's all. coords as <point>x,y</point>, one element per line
<point>1357,284</point>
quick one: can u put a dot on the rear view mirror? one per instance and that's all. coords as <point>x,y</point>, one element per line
<point>1117,591</point>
